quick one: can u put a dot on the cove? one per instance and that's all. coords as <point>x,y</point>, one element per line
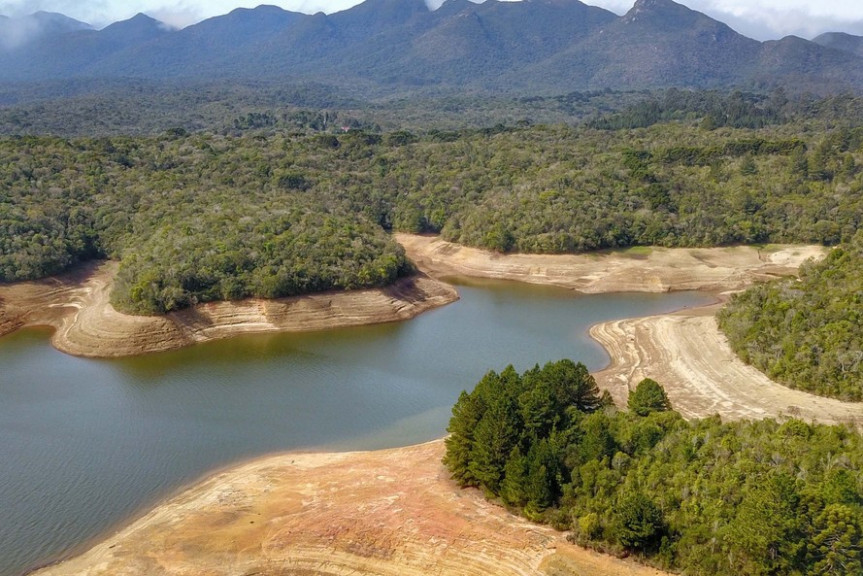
<point>87,444</point>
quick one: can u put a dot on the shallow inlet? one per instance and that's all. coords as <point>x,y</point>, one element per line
<point>89,443</point>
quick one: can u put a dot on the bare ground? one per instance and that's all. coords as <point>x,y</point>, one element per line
<point>688,354</point>
<point>634,270</point>
<point>384,513</point>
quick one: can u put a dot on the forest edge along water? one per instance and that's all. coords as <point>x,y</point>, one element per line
<point>77,304</point>
<point>771,262</point>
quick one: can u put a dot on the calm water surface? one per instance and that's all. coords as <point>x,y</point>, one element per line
<point>88,443</point>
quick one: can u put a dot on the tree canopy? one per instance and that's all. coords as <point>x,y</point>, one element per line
<point>271,207</point>
<point>648,396</point>
<point>700,497</point>
<point>806,333</point>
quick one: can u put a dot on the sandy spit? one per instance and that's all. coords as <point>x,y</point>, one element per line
<point>688,354</point>
<point>685,351</point>
<point>77,306</point>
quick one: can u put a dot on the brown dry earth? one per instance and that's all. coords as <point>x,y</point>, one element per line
<point>383,513</point>
<point>395,511</point>
<point>78,306</point>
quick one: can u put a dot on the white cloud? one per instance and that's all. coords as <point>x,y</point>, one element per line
<point>770,19</point>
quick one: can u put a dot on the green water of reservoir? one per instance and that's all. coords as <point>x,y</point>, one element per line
<point>87,444</point>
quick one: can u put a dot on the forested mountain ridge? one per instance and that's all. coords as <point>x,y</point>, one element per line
<point>388,47</point>
<point>841,41</point>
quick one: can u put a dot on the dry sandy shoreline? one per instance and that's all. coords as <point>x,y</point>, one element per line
<point>382,513</point>
<point>396,511</point>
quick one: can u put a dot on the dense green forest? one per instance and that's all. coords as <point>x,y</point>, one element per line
<point>269,208</point>
<point>138,107</point>
<point>701,497</point>
<point>806,333</point>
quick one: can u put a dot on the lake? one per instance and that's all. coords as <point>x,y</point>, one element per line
<point>88,444</point>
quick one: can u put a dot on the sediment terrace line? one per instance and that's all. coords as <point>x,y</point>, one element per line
<point>690,356</point>
<point>78,306</point>
<point>647,270</point>
<point>395,512</point>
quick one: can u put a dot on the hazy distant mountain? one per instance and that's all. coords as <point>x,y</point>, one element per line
<point>841,41</point>
<point>72,54</point>
<point>656,43</point>
<point>398,45</point>
<point>18,32</point>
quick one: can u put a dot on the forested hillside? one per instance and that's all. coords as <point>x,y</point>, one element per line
<point>701,497</point>
<point>272,208</point>
<point>192,219</point>
<point>806,333</point>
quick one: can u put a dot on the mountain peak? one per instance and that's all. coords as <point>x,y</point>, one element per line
<point>56,22</point>
<point>653,8</point>
<point>654,4</point>
<point>138,21</point>
<point>25,30</point>
<point>262,10</point>
<point>841,41</point>
<point>138,28</point>
<point>535,45</point>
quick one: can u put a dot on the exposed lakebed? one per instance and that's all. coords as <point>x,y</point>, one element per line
<point>88,443</point>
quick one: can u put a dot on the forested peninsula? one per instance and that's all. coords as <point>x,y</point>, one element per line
<point>270,209</point>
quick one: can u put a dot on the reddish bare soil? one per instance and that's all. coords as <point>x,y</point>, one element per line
<point>383,513</point>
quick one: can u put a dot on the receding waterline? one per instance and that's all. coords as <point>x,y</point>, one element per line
<point>88,443</point>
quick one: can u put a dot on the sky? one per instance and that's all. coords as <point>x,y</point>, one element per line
<point>760,19</point>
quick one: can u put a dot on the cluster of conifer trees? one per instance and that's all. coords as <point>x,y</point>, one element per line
<point>702,497</point>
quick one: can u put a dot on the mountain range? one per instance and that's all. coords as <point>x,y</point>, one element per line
<point>395,46</point>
